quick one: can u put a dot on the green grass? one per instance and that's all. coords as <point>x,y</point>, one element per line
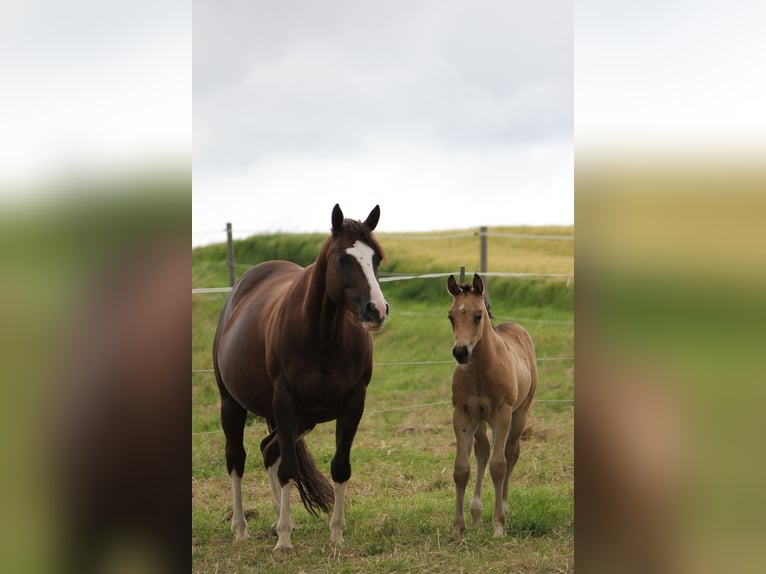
<point>401,494</point>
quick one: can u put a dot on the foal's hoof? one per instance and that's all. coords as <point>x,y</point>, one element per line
<point>476,510</point>
<point>239,536</point>
<point>499,531</point>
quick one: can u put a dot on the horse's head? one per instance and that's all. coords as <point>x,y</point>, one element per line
<point>467,314</point>
<point>352,268</point>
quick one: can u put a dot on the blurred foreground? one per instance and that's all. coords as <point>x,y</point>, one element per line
<point>95,308</point>
<point>670,313</point>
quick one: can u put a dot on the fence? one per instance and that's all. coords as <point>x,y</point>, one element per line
<point>483,233</point>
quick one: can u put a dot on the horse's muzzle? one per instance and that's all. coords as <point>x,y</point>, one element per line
<point>371,317</point>
<point>461,354</point>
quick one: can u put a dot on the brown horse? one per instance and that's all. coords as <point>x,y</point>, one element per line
<point>494,383</point>
<point>293,345</point>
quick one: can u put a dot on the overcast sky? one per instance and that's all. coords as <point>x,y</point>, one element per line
<point>447,114</point>
<point>92,85</point>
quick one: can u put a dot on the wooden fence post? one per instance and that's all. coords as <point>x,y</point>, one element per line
<point>230,254</point>
<point>483,256</point>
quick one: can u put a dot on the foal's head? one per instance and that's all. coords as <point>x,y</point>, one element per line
<point>352,268</point>
<point>468,314</point>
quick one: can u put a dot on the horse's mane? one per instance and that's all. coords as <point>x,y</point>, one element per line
<point>358,231</point>
<point>468,288</point>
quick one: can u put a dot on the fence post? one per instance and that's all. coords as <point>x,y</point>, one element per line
<point>230,254</point>
<point>483,256</point>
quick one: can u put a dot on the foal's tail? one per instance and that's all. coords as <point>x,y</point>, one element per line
<point>316,491</point>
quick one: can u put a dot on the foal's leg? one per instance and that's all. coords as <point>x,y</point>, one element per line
<point>464,430</point>
<point>233,421</point>
<point>482,456</point>
<point>287,471</point>
<point>512,450</point>
<point>501,426</point>
<point>340,467</point>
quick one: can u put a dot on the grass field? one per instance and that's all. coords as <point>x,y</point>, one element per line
<point>401,494</point>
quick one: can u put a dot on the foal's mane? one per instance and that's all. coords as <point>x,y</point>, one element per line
<point>468,288</point>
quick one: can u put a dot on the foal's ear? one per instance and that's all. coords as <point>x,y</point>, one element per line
<point>337,218</point>
<point>372,220</point>
<point>452,287</point>
<point>478,284</point>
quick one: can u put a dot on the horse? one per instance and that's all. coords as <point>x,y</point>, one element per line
<point>493,384</point>
<point>294,346</point>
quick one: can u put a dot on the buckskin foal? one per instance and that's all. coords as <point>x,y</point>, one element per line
<point>493,384</point>
<point>293,345</point>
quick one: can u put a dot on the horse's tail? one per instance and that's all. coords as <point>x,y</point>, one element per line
<point>316,491</point>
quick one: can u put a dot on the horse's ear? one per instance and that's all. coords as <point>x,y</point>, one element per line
<point>452,287</point>
<point>372,220</point>
<point>337,218</point>
<point>478,284</point>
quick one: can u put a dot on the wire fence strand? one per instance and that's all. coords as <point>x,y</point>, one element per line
<point>417,363</point>
<point>384,411</point>
<point>567,276</point>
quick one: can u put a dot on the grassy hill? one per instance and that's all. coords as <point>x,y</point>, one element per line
<point>401,494</point>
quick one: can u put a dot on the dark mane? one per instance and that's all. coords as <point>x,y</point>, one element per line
<point>358,231</point>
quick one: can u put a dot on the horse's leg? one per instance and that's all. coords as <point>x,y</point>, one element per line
<point>287,471</point>
<point>276,490</point>
<point>482,456</point>
<point>464,431</point>
<point>271,458</point>
<point>340,467</point>
<point>233,421</point>
<point>501,426</point>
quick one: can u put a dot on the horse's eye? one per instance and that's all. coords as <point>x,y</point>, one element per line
<point>477,318</point>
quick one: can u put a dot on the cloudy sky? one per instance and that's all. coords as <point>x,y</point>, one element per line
<point>92,84</point>
<point>447,114</point>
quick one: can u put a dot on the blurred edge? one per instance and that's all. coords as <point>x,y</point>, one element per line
<point>670,308</point>
<point>95,402</point>
<point>95,206</point>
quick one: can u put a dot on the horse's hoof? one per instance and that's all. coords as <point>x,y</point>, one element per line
<point>337,540</point>
<point>239,530</point>
<point>283,548</point>
<point>499,532</point>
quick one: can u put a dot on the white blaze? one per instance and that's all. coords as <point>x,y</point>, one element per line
<point>363,253</point>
